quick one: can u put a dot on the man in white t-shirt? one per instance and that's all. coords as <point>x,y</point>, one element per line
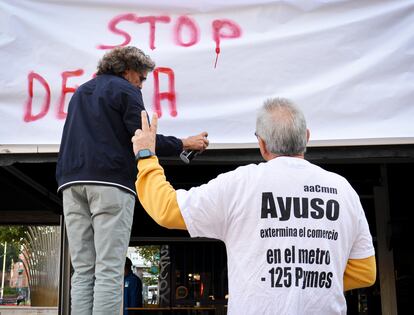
<point>296,235</point>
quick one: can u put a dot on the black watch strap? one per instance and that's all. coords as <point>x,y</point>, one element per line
<point>144,154</point>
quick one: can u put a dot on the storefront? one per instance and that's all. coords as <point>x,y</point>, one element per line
<point>193,272</point>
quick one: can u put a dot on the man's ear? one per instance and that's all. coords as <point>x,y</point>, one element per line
<point>263,150</point>
<point>307,135</point>
<point>127,74</point>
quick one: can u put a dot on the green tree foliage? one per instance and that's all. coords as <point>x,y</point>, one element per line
<point>151,256</point>
<point>13,235</point>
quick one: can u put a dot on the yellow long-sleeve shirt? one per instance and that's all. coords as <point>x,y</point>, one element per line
<point>159,200</point>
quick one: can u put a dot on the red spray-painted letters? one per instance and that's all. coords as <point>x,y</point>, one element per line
<point>28,112</point>
<point>220,28</point>
<point>33,77</point>
<point>170,95</point>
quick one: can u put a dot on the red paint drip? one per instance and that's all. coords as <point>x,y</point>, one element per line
<point>217,55</point>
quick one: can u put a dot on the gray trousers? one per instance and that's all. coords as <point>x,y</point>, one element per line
<point>98,221</point>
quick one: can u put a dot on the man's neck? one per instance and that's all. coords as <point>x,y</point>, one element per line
<point>274,156</point>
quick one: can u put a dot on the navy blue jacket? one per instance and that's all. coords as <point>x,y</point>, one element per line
<point>132,291</point>
<point>96,147</point>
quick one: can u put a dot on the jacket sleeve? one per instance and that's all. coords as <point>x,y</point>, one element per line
<point>157,196</point>
<point>360,273</point>
<point>133,105</point>
<point>168,146</point>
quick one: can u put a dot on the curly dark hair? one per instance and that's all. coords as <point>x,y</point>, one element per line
<point>120,59</point>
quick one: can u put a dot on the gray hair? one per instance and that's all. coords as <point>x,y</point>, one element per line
<point>120,59</point>
<point>282,126</point>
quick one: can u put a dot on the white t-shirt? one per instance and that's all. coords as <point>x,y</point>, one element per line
<point>289,228</point>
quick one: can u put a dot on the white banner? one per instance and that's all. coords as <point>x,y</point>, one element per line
<point>348,64</point>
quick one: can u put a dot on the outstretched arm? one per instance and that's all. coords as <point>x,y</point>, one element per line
<point>156,195</point>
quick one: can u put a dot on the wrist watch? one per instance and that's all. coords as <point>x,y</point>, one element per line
<point>144,154</point>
